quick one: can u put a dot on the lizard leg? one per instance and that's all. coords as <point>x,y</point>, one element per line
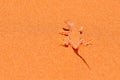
<point>65,43</point>
<point>64,33</point>
<point>66,29</point>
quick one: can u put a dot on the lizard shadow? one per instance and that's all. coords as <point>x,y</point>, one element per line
<point>77,53</point>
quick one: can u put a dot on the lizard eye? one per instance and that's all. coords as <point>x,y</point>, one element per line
<point>80,32</point>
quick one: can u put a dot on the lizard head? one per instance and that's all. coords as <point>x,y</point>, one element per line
<point>69,23</point>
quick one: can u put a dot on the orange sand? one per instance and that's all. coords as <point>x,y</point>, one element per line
<point>29,40</point>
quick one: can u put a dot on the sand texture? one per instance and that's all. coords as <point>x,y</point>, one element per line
<point>30,40</point>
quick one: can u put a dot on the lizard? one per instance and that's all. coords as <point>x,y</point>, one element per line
<point>73,35</point>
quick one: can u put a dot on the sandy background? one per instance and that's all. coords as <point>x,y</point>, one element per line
<point>29,40</point>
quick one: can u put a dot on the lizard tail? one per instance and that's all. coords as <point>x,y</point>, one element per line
<point>83,59</point>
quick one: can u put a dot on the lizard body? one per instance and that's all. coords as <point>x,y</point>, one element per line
<point>73,35</point>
